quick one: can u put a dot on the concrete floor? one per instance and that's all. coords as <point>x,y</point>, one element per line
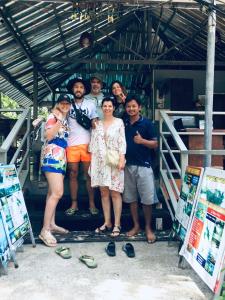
<point>153,274</point>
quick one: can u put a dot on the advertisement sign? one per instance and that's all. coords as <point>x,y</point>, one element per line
<point>4,245</point>
<point>187,200</point>
<point>14,212</point>
<point>204,244</point>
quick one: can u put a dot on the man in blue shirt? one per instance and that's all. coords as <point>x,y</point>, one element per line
<point>139,178</point>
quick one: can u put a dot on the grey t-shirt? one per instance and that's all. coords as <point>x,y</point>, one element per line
<point>97,101</point>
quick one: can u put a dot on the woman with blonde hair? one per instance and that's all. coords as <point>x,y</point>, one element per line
<point>53,164</point>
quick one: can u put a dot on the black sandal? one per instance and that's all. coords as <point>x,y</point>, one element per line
<point>111,249</point>
<point>116,231</point>
<point>103,229</point>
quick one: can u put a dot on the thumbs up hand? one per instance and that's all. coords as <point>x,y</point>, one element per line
<point>138,138</point>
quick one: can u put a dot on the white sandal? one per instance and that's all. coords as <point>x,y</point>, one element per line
<point>47,238</point>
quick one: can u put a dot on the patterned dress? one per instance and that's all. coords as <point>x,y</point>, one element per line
<point>53,158</point>
<point>101,174</point>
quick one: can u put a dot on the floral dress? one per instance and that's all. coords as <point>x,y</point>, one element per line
<point>102,174</point>
<point>53,158</point>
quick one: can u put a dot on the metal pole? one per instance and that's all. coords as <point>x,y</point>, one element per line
<point>209,84</point>
<point>35,94</point>
<point>53,99</point>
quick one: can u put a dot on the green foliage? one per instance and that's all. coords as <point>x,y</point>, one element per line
<point>8,103</point>
<point>43,112</point>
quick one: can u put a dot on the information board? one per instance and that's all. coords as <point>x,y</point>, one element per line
<point>204,245</point>
<point>13,209</point>
<point>4,244</point>
<point>187,200</point>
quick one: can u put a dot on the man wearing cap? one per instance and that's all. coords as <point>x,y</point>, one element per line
<point>96,94</point>
<point>78,141</point>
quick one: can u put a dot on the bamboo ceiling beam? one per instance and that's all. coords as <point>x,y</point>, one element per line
<point>20,41</point>
<point>131,62</point>
<point>14,82</point>
<point>126,2</point>
<point>119,43</point>
<point>60,29</point>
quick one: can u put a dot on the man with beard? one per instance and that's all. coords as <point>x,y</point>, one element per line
<point>78,141</point>
<point>96,95</point>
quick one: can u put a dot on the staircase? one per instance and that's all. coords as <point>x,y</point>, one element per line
<point>35,194</point>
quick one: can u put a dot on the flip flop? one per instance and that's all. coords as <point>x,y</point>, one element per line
<point>94,211</point>
<point>64,252</point>
<point>71,211</point>
<point>89,261</point>
<point>129,250</point>
<point>111,249</point>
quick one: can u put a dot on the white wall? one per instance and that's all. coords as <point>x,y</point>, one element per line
<point>198,77</point>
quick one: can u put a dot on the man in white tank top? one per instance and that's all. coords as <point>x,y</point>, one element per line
<point>78,141</point>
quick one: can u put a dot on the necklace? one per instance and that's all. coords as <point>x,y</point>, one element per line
<point>79,104</point>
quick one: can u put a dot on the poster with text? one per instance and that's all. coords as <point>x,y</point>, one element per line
<point>187,200</point>
<point>4,244</point>
<point>204,244</point>
<point>14,210</point>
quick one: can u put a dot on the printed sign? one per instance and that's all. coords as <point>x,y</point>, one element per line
<point>204,244</point>
<point>4,244</point>
<point>187,200</point>
<point>14,212</point>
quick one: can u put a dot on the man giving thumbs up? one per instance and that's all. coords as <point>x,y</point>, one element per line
<point>138,176</point>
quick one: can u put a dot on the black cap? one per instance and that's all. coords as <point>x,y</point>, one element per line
<point>71,83</point>
<point>63,98</point>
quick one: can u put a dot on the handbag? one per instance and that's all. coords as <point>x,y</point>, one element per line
<point>81,118</point>
<point>112,158</point>
<point>37,138</point>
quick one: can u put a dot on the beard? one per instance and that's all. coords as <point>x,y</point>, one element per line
<point>78,96</point>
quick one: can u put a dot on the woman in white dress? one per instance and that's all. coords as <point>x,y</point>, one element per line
<point>108,135</point>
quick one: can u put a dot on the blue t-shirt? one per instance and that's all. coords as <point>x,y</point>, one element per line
<point>137,154</point>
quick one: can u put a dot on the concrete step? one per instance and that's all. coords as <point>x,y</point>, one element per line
<point>91,236</point>
<point>83,220</point>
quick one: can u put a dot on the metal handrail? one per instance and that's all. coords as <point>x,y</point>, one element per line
<point>23,168</point>
<point>169,177</point>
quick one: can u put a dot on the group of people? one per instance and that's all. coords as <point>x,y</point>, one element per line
<point>114,151</point>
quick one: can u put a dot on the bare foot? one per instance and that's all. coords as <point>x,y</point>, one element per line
<point>151,238</point>
<point>57,229</point>
<point>134,231</point>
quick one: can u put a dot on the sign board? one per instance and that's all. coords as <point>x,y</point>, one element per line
<point>187,200</point>
<point>4,244</point>
<point>13,205</point>
<point>204,244</point>
<point>14,219</point>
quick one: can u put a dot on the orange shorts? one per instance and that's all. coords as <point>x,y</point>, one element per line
<point>78,153</point>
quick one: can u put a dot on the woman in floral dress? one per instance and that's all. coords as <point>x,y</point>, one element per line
<point>108,135</point>
<point>53,164</point>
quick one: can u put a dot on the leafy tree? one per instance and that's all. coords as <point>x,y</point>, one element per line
<point>8,103</point>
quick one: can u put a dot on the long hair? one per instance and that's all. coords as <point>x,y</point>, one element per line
<point>120,84</point>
